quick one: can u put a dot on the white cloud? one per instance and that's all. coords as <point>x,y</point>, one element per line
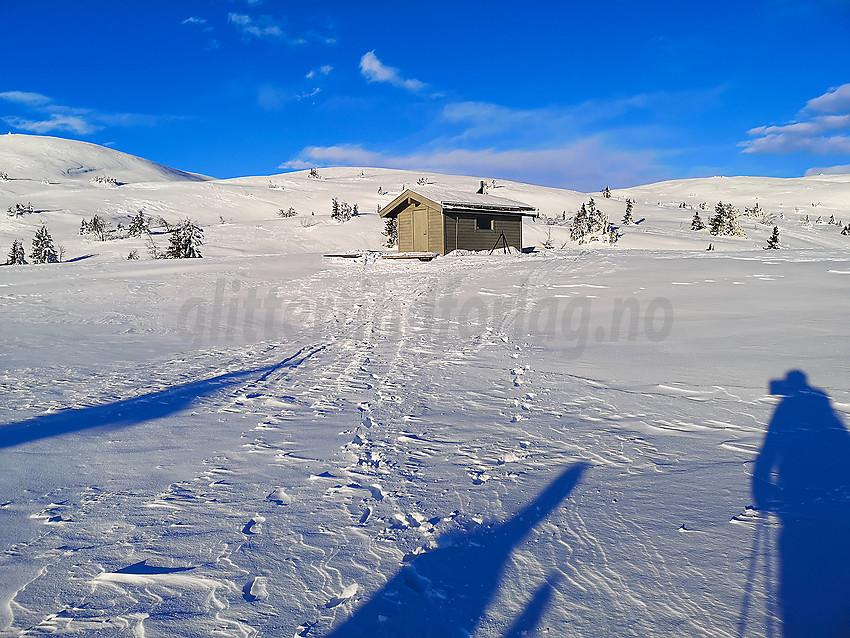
<point>833,101</point>
<point>829,170</point>
<point>53,117</point>
<point>308,94</point>
<point>812,134</point>
<point>376,71</point>
<point>56,122</point>
<point>587,164</point>
<point>261,27</point>
<point>23,97</point>
<point>194,20</point>
<point>323,70</point>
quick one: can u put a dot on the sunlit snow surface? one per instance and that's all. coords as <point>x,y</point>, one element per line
<point>269,442</point>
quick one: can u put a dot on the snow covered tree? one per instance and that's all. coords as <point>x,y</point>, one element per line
<point>289,212</point>
<point>627,218</point>
<point>606,193</point>
<point>139,224</point>
<point>579,227</point>
<point>696,222</point>
<point>16,254</point>
<point>20,209</point>
<point>587,222</point>
<point>725,221</point>
<point>773,240</point>
<point>846,230</point>
<point>186,239</point>
<point>342,211</point>
<point>391,231</point>
<point>97,227</point>
<point>43,250</point>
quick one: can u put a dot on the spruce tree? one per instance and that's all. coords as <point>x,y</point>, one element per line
<point>580,224</point>
<point>16,254</point>
<point>43,250</point>
<point>606,193</point>
<point>725,221</point>
<point>139,225</point>
<point>773,240</point>
<point>846,230</point>
<point>627,218</point>
<point>391,232</point>
<point>186,240</point>
<point>696,222</point>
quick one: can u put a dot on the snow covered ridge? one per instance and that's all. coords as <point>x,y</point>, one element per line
<point>51,159</point>
<point>66,181</point>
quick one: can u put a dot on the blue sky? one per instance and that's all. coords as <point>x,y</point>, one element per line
<point>578,95</point>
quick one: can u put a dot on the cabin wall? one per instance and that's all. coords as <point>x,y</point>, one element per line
<point>406,229</point>
<point>461,232</point>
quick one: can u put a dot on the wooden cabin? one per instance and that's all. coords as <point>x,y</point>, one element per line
<point>440,220</point>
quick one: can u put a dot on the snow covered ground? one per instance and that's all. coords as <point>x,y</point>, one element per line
<point>270,442</point>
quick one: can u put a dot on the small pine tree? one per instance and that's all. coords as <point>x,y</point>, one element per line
<point>16,254</point>
<point>43,250</point>
<point>696,222</point>
<point>335,208</point>
<point>580,225</point>
<point>846,230</point>
<point>773,240</point>
<point>606,193</point>
<point>139,225</point>
<point>99,227</point>
<point>391,231</point>
<point>186,240</point>
<point>725,221</point>
<point>627,218</point>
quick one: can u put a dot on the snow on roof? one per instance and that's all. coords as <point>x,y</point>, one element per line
<point>456,198</point>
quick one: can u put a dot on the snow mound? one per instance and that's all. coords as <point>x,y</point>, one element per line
<point>42,158</point>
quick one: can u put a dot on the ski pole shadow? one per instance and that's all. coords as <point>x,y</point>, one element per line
<point>444,592</point>
<point>129,412</point>
<point>802,474</point>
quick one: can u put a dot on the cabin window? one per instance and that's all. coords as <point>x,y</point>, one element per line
<point>483,223</point>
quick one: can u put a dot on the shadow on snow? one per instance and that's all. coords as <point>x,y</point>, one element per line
<point>802,475</point>
<point>445,592</point>
<point>128,412</point>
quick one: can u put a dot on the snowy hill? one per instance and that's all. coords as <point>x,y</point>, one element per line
<point>240,216</point>
<point>33,158</point>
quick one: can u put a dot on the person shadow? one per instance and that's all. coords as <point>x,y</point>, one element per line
<point>444,592</point>
<point>802,475</point>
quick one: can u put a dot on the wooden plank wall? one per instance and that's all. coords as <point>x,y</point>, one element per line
<point>405,230</point>
<point>470,238</point>
<point>435,229</point>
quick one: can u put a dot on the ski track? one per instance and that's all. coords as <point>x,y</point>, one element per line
<point>252,559</point>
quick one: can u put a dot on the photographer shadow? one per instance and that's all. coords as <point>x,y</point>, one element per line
<point>802,474</point>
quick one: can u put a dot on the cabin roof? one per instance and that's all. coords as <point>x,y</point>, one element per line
<point>456,200</point>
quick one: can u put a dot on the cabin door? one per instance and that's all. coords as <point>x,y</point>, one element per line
<point>420,230</point>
